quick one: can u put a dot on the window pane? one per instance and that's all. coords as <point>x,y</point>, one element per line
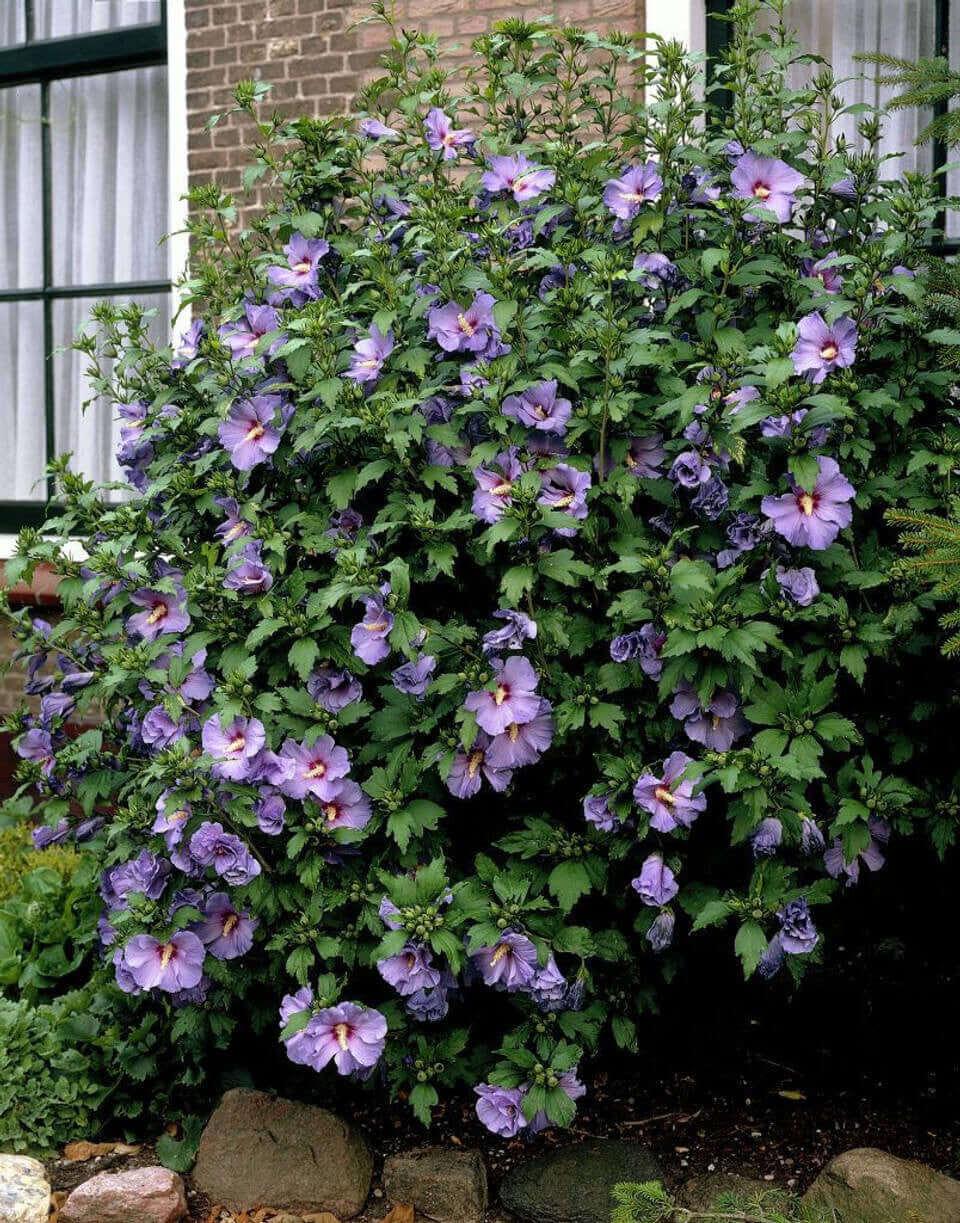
<point>22,421</point>
<point>91,436</point>
<point>13,26</point>
<point>840,29</point>
<point>60,18</point>
<point>21,237</point>
<point>109,154</point>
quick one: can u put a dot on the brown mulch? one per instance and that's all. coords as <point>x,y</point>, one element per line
<point>781,1130</point>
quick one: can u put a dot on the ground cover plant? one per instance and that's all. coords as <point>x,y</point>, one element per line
<point>506,600</point>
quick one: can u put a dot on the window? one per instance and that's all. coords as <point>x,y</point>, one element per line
<point>83,155</point>
<point>838,30</point>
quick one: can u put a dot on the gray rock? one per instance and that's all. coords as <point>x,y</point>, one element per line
<point>870,1186</point>
<point>573,1184</point>
<point>140,1195</point>
<point>444,1183</point>
<point>262,1150</point>
<point>24,1190</point>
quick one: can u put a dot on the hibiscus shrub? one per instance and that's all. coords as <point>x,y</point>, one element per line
<point>507,596</point>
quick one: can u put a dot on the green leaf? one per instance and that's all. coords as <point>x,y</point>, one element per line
<point>712,913</point>
<point>750,944</point>
<point>516,581</point>
<point>302,655</point>
<point>568,881</point>
<point>805,469</point>
<point>423,1099</point>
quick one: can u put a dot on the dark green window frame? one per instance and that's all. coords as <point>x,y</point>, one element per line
<point>718,36</point>
<point>41,62</point>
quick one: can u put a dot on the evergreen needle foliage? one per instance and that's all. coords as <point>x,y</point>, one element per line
<point>925,83</point>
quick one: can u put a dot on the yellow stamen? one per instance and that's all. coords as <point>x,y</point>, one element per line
<point>230,924</point>
<point>513,730</point>
<point>302,267</point>
<point>254,432</point>
<point>501,490</point>
<point>500,695</point>
<point>331,811</point>
<point>474,762</point>
<point>157,614</point>
<point>467,328</point>
<point>236,530</point>
<point>502,950</point>
<point>761,192</point>
<point>829,352</point>
<point>716,722</point>
<point>805,501</point>
<point>167,954</point>
<point>377,627</point>
<point>341,1032</point>
<point>318,770</point>
<point>663,795</point>
<point>564,502</point>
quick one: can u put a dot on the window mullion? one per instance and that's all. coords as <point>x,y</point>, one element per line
<point>46,224</point>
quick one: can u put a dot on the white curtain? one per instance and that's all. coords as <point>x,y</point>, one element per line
<point>108,143</point>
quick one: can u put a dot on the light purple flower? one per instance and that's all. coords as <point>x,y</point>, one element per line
<point>639,185</point>
<point>565,488</point>
<point>242,336</point>
<point>642,645</point>
<point>410,970</point>
<point>509,964</point>
<point>170,966</point>
<point>500,1109</point>
<point>163,613</point>
<point>188,345</point>
<point>225,931</point>
<point>146,873</point>
<point>539,408</point>
<point>717,726</point>
<point>813,519</point>
<point>494,491</point>
<point>872,857</point>
<point>234,747</point>
<point>766,837</point>
<point>333,688</point>
<point>824,270</point>
<point>212,846</point>
<point>369,636</point>
<point>443,137</point>
<point>596,811</point>
<point>657,270</point>
<point>248,432</point>
<point>345,806</point>
<point>158,730</point>
<point>512,699</point>
<point>351,1036</point>
<point>798,936</point>
<point>656,885</point>
<point>469,767</point>
<point>645,456</point>
<point>660,934</point>
<point>369,355</point>
<point>37,745</point>
<point>301,271</point>
<point>376,129</point>
<point>518,175</point>
<point>824,347</point>
<point>811,838</point>
<point>768,181</point>
<point>233,526</point>
<point>413,678</point>
<point>518,629</point>
<point>669,798</point>
<point>271,812</point>
<point>690,470</point>
<point>312,771</point>
<point>523,744</point>
<point>798,584</point>
<point>463,329</point>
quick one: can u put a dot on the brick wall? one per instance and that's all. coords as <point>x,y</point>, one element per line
<point>315,62</point>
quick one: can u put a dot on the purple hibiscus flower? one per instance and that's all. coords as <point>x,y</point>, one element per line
<point>146,873</point>
<point>413,678</point>
<point>823,347</point>
<point>443,137</point>
<point>248,432</point>
<point>188,345</point>
<point>301,270</point>
<point>565,488</point>
<point>516,174</point>
<point>170,966</point>
<point>638,185</point>
<point>243,335</point>
<point>369,636</point>
<point>538,407</point>
<point>813,519</point>
<point>37,745</point>
<point>469,767</point>
<point>369,355</point>
<point>523,744</point>
<point>345,806</point>
<point>596,811</point>
<point>171,819</point>
<point>645,456</point>
<point>158,730</point>
<point>660,934</point>
<point>518,629</point>
<point>800,585</point>
<point>656,270</point>
<point>768,181</point>
<point>351,1036</point>
<point>376,129</point>
<point>494,491</point>
<point>510,964</point>
<point>212,846</point>
<point>463,329</point>
<point>669,799</point>
<point>234,747</point>
<point>410,970</point>
<point>225,931</point>
<point>233,526</point>
<point>512,699</point>
<point>271,813</point>
<point>162,613</point>
<point>717,726</point>
<point>500,1109</point>
<point>690,470</point>
<point>798,934</point>
<point>656,885</point>
<point>872,857</point>
<point>766,837</point>
<point>313,770</point>
<point>333,688</point>
<point>571,1086</point>
<point>642,645</point>
<point>825,271</point>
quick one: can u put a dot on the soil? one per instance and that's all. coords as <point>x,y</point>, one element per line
<point>767,1124</point>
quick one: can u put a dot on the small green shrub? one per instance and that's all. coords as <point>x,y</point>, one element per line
<point>651,1203</point>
